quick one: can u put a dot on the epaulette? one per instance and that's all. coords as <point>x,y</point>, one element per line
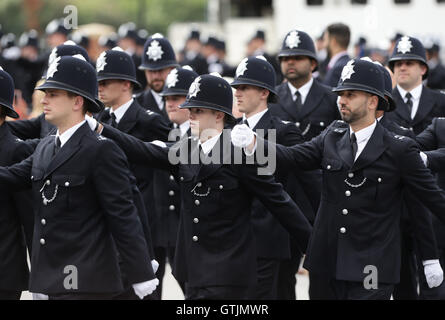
<point>399,137</point>
<point>285,122</point>
<point>442,91</point>
<point>18,140</point>
<point>101,138</point>
<point>149,112</point>
<point>404,129</point>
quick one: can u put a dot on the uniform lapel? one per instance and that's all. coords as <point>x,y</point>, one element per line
<point>67,151</point>
<point>401,109</point>
<point>223,148</point>
<point>426,103</point>
<point>312,100</point>
<point>344,148</point>
<point>373,149</point>
<point>129,120</point>
<point>287,102</point>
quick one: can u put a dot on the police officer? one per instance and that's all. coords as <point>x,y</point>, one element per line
<point>167,194</point>
<point>56,33</point>
<point>191,54</point>
<point>157,62</point>
<point>309,104</point>
<point>82,196</point>
<point>365,168</point>
<point>14,273</point>
<point>255,88</point>
<point>417,105</point>
<point>38,127</point>
<point>436,74</point>
<point>215,253</point>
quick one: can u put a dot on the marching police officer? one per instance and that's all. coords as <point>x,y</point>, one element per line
<point>192,53</point>
<point>436,74</point>
<point>365,168</point>
<point>255,88</point>
<point>38,127</point>
<point>56,33</point>
<point>417,105</point>
<point>157,62</point>
<point>82,197</point>
<point>167,194</point>
<point>14,273</point>
<point>215,253</point>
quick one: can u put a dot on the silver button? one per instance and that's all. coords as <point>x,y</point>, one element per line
<point>328,167</point>
<point>345,211</point>
<point>297,124</point>
<point>221,187</point>
<point>172,178</point>
<point>42,241</point>
<point>43,222</point>
<point>67,184</point>
<point>199,184</point>
<point>350,175</point>
<point>195,220</point>
<point>342,230</point>
<point>32,177</point>
<point>182,178</point>
<point>195,238</point>
<point>48,182</point>
<point>197,202</point>
<point>348,193</point>
<point>171,193</point>
<point>379,179</point>
<point>322,124</point>
<point>171,208</point>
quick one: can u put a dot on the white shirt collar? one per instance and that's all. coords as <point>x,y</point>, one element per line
<point>184,127</point>
<point>120,111</point>
<point>64,137</point>
<point>304,90</point>
<point>209,144</point>
<point>335,58</point>
<point>159,99</point>
<point>253,120</point>
<point>416,92</point>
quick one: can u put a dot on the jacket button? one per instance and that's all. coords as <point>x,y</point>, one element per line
<point>32,177</point>
<point>172,178</point>
<point>297,124</point>
<point>43,222</point>
<point>182,178</point>
<point>48,182</point>
<point>199,184</point>
<point>379,179</point>
<point>221,187</point>
<point>350,175</point>
<point>67,184</point>
<point>171,208</point>
<point>197,202</point>
<point>348,193</point>
<point>171,193</point>
<point>195,220</point>
<point>328,167</point>
<point>195,238</point>
<point>343,230</point>
<point>322,124</point>
<point>345,211</point>
<point>42,241</point>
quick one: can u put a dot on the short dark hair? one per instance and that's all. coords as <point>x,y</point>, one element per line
<point>87,104</point>
<point>2,112</point>
<point>229,121</point>
<point>341,33</point>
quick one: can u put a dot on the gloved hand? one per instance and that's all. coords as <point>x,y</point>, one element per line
<point>433,273</point>
<point>242,136</point>
<point>91,122</point>
<point>145,288</point>
<point>39,296</point>
<point>154,265</point>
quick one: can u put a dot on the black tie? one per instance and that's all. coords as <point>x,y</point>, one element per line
<point>246,122</point>
<point>354,146</point>
<point>113,120</point>
<point>298,102</point>
<point>409,102</point>
<point>57,146</point>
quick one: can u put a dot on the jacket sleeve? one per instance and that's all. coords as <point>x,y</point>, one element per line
<point>427,139</point>
<point>114,192</point>
<point>16,177</point>
<point>26,129</point>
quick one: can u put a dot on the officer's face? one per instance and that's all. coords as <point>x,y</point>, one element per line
<point>175,114</point>
<point>57,106</point>
<point>203,122</point>
<point>156,78</point>
<point>408,73</point>
<point>248,98</point>
<point>296,67</point>
<point>356,105</point>
<point>110,91</point>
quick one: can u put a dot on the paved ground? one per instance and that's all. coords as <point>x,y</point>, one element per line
<point>172,291</point>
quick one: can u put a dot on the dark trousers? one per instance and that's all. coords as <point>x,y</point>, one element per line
<point>267,275</point>
<point>348,290</point>
<point>406,289</point>
<point>217,293</point>
<point>320,287</point>
<point>161,256</point>
<point>82,296</point>
<point>287,276</point>
<point>10,295</point>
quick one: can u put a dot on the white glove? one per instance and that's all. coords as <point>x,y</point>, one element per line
<point>159,143</point>
<point>39,296</point>
<point>433,273</point>
<point>242,136</point>
<point>91,122</point>
<point>424,158</point>
<point>143,289</point>
<point>154,265</point>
